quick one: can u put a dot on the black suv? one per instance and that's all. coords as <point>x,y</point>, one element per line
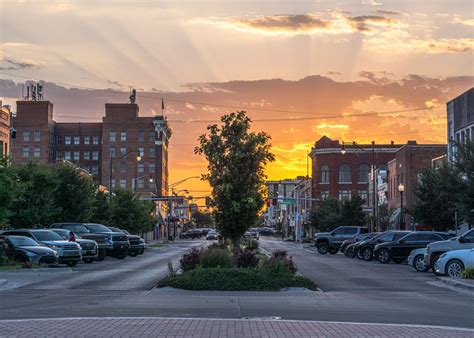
<point>398,251</point>
<point>365,249</point>
<point>135,241</point>
<point>110,243</point>
<point>331,241</point>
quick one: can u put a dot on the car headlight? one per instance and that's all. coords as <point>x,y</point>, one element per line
<point>109,239</point>
<point>52,246</point>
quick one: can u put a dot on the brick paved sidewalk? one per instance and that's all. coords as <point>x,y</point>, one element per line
<point>202,327</point>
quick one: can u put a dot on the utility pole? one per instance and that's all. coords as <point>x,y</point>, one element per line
<point>374,193</point>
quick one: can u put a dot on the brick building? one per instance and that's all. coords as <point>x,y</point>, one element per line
<point>460,111</point>
<point>5,140</point>
<point>123,134</point>
<point>409,161</point>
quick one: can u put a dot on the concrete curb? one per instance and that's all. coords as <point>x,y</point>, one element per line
<point>49,270</point>
<point>458,283</point>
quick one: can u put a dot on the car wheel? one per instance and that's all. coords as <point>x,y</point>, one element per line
<point>346,252</point>
<point>323,248</point>
<point>72,263</point>
<point>101,256</point>
<point>133,254</point>
<point>333,251</point>
<point>454,268</point>
<point>384,256</point>
<point>351,253</point>
<point>21,259</point>
<point>434,259</point>
<point>88,260</point>
<point>122,255</point>
<point>367,254</point>
<point>398,260</point>
<point>419,264</point>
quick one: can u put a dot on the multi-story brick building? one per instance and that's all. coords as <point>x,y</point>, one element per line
<point>460,112</point>
<point>5,134</point>
<point>123,135</point>
<point>410,160</point>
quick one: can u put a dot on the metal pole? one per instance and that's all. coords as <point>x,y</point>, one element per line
<point>110,179</point>
<point>374,204</point>
<point>401,211</point>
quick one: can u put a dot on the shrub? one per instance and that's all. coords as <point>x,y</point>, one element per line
<point>220,246</point>
<point>215,258</point>
<point>280,261</point>
<point>190,259</point>
<point>234,279</point>
<point>468,273</point>
<point>247,259</point>
<point>252,244</point>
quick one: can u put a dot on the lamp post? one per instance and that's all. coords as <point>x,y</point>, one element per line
<point>401,189</point>
<point>139,158</point>
<point>135,179</point>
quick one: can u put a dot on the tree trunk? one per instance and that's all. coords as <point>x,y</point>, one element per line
<point>236,248</point>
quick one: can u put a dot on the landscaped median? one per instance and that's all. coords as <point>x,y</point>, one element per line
<point>213,268</point>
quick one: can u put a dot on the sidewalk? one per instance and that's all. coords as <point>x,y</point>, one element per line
<point>203,327</point>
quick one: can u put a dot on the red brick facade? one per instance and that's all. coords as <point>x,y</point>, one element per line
<point>5,141</point>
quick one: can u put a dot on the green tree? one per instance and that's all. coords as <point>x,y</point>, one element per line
<point>74,194</point>
<point>352,213</point>
<point>129,213</point>
<point>101,208</point>
<point>326,216</point>
<point>236,159</point>
<point>34,203</point>
<point>437,192</point>
<point>464,165</point>
<point>8,191</point>
<point>203,219</point>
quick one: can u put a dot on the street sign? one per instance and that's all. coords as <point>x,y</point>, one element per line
<point>288,201</point>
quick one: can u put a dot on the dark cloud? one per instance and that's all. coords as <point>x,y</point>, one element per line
<point>382,12</point>
<point>362,22</point>
<point>117,84</point>
<point>284,22</point>
<point>12,64</point>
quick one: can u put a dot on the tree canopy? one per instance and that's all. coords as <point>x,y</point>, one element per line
<point>236,160</point>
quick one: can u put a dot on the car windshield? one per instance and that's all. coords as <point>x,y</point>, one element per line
<point>97,228</point>
<point>76,228</point>
<point>253,230</point>
<point>22,241</point>
<point>46,235</point>
<point>63,233</point>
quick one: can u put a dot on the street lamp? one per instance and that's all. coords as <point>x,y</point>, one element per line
<point>135,179</point>
<point>139,158</point>
<point>401,189</point>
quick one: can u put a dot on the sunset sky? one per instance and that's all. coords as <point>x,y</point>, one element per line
<point>307,65</point>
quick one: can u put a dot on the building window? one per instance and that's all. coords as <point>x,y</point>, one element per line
<point>36,152</point>
<point>26,151</point>
<point>123,136</point>
<point>112,152</point>
<point>26,136</point>
<point>324,195</point>
<point>141,136</point>
<point>37,135</point>
<point>95,155</point>
<point>141,151</point>
<point>59,156</point>
<point>123,167</point>
<point>151,185</point>
<point>112,135</point>
<point>324,179</point>
<point>113,183</point>
<point>95,170</point>
<point>76,156</point>
<point>151,136</point>
<point>344,195</point>
<point>345,174</point>
<point>87,140</point>
<point>152,152</point>
<point>151,167</point>
<point>140,183</point>
<point>140,168</point>
<point>123,183</point>
<point>67,140</point>
<point>123,150</point>
<point>77,140</point>
<point>67,155</point>
<point>363,173</point>
<point>365,196</point>
<point>95,140</point>
<point>86,155</point>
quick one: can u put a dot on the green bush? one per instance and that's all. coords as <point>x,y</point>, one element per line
<point>280,261</point>
<point>251,244</point>
<point>468,273</point>
<point>190,259</point>
<point>220,246</point>
<point>215,258</point>
<point>247,259</point>
<point>235,279</point>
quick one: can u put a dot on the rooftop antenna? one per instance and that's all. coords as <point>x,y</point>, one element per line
<point>40,90</point>
<point>28,84</point>
<point>34,96</point>
<point>162,107</point>
<point>133,96</point>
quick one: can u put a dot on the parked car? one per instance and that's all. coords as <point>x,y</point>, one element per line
<point>110,243</point>
<point>436,249</point>
<point>68,252</point>
<point>254,233</point>
<point>192,234</point>
<point>398,251</point>
<point>134,240</point>
<point>331,241</point>
<point>26,250</point>
<point>142,246</point>
<point>265,231</point>
<point>416,260</point>
<point>212,235</point>
<point>89,248</point>
<point>365,249</point>
<point>358,238</point>
<point>453,263</point>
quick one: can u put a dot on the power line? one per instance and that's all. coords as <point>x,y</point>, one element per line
<point>365,114</point>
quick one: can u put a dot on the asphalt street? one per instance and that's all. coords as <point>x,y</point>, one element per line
<point>352,291</point>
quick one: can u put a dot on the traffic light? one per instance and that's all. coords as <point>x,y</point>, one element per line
<point>269,202</point>
<point>275,201</point>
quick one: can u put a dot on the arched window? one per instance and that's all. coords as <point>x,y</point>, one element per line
<point>345,174</point>
<point>363,173</point>
<point>324,174</point>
